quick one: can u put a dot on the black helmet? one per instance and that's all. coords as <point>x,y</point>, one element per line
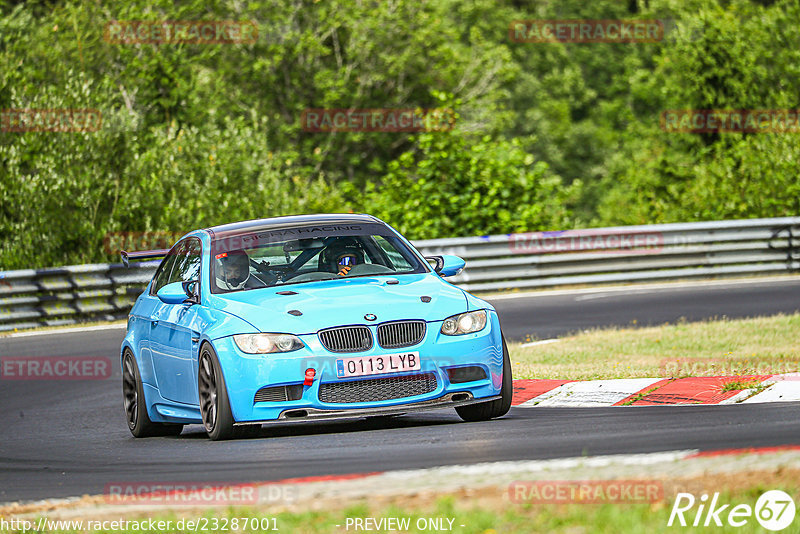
<point>343,252</point>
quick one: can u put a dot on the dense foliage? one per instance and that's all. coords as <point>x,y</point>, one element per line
<point>548,136</point>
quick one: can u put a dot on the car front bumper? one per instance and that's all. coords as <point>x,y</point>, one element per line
<point>245,374</point>
<point>450,400</point>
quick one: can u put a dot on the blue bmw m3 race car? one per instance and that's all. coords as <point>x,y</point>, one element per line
<point>305,318</point>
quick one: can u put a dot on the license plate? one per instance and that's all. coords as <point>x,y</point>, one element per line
<point>378,365</point>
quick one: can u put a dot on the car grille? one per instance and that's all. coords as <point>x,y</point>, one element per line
<point>400,334</point>
<point>377,389</point>
<point>346,339</point>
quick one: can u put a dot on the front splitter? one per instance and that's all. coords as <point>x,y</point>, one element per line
<point>450,400</point>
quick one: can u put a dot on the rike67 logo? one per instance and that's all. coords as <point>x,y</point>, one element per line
<point>774,510</point>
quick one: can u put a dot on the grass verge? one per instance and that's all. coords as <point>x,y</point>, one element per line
<point>490,512</point>
<point>763,345</point>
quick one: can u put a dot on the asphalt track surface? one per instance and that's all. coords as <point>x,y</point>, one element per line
<point>69,438</point>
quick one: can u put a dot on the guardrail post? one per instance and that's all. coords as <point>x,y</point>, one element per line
<point>792,253</point>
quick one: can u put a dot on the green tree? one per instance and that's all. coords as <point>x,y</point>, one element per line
<point>452,186</point>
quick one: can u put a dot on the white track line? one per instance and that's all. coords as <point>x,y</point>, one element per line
<point>783,388</point>
<point>516,467</point>
<point>540,342</point>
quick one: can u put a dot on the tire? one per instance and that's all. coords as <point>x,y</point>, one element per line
<point>139,422</point>
<point>215,407</point>
<point>489,410</point>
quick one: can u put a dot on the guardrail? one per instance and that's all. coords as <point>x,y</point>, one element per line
<point>624,254</point>
<point>66,295</point>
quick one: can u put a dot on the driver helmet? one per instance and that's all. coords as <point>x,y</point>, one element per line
<point>232,269</point>
<point>344,252</point>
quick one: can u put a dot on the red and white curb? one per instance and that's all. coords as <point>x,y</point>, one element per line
<point>656,391</point>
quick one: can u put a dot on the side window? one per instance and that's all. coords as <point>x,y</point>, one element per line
<point>187,266</point>
<point>399,262</point>
<point>165,269</point>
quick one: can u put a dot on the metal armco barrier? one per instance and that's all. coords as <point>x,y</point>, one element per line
<point>624,254</point>
<point>67,295</point>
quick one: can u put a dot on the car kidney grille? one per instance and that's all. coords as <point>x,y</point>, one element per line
<point>400,334</point>
<point>377,389</point>
<point>346,339</point>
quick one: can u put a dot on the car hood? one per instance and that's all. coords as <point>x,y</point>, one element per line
<point>341,302</point>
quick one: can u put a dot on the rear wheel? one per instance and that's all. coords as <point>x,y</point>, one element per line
<point>139,422</point>
<point>489,410</point>
<point>215,408</point>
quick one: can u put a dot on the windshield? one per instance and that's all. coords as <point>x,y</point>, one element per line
<point>276,257</point>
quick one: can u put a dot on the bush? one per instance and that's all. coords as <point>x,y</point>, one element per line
<point>449,185</point>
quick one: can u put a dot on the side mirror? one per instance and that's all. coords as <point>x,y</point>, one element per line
<point>192,290</point>
<point>177,293</point>
<point>446,264</point>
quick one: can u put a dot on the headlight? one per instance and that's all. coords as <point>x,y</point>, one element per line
<point>464,323</point>
<point>266,343</point>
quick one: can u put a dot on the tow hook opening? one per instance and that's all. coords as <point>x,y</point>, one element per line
<point>295,414</point>
<point>458,397</point>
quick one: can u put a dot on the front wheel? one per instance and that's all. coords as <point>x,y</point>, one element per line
<point>139,422</point>
<point>489,410</point>
<point>215,408</point>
